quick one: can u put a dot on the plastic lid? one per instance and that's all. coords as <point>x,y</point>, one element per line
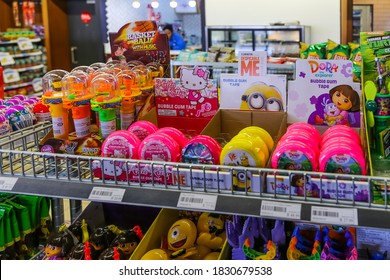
<point>201,149</point>
<point>294,156</point>
<point>241,152</point>
<point>41,108</point>
<point>340,130</point>
<point>307,127</point>
<point>159,147</point>
<point>262,133</point>
<point>342,159</point>
<point>257,141</point>
<point>176,134</point>
<point>121,144</point>
<point>81,112</point>
<point>142,129</point>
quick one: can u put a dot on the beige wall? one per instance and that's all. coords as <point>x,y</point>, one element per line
<point>381,14</point>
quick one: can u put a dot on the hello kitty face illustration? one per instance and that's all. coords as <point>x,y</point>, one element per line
<point>194,79</point>
<point>112,169</point>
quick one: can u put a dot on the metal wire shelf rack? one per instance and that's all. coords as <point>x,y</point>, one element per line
<point>25,170</point>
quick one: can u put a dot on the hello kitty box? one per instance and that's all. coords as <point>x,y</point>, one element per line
<point>186,103</point>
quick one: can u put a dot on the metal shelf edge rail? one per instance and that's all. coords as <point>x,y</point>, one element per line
<point>163,184</point>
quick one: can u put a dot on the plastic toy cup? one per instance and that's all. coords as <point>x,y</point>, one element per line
<point>53,96</point>
<point>106,102</point>
<point>77,97</point>
<point>130,92</point>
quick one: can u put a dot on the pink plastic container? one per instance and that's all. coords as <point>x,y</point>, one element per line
<point>342,159</point>
<point>201,149</point>
<point>159,147</point>
<point>176,134</point>
<point>121,144</point>
<point>142,129</point>
<point>340,130</point>
<point>301,126</point>
<point>294,156</point>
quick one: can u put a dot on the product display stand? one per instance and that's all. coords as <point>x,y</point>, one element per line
<point>24,170</point>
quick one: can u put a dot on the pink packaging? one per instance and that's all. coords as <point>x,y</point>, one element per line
<point>202,149</point>
<point>294,156</point>
<point>301,126</point>
<point>121,144</point>
<point>176,134</point>
<point>342,159</point>
<point>159,147</point>
<point>340,130</point>
<point>142,129</point>
<point>336,141</point>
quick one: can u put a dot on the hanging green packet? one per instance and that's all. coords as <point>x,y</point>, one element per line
<point>23,248</point>
<point>314,51</point>
<point>337,51</point>
<point>356,58</point>
<point>11,230</point>
<point>2,231</point>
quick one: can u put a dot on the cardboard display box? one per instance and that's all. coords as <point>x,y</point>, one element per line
<point>158,231</point>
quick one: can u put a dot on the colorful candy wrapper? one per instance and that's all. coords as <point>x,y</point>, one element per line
<point>337,51</point>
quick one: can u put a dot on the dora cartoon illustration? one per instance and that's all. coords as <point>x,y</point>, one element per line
<point>346,100</point>
<point>298,181</point>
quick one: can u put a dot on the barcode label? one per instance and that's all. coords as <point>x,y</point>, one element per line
<point>7,184</point>
<point>325,213</point>
<point>332,215</point>
<point>106,194</point>
<point>280,210</point>
<point>197,201</point>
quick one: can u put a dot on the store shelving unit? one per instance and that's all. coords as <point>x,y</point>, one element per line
<point>24,170</point>
<point>34,69</point>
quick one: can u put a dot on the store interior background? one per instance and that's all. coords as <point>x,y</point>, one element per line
<point>67,43</point>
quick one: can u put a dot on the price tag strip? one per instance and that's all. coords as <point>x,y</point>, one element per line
<point>331,215</point>
<point>280,210</point>
<point>107,194</point>
<point>7,184</point>
<point>197,201</point>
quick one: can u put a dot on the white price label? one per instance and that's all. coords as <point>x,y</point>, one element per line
<point>10,76</point>
<point>332,215</point>
<point>25,44</point>
<point>107,194</point>
<point>7,184</point>
<point>6,59</point>
<point>197,201</point>
<point>280,210</point>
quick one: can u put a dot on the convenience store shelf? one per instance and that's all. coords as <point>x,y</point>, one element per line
<point>35,40</point>
<point>24,170</point>
<point>26,54</point>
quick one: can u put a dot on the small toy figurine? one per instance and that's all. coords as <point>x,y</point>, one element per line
<point>127,241</point>
<point>211,230</point>
<point>181,239</point>
<point>101,239</point>
<point>58,246</point>
<point>112,253</point>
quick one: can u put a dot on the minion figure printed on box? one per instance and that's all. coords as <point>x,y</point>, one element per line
<point>261,96</point>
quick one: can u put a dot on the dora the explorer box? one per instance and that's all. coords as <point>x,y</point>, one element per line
<point>141,40</point>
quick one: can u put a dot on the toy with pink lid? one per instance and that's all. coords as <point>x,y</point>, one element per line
<point>159,147</point>
<point>121,144</point>
<point>142,129</point>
